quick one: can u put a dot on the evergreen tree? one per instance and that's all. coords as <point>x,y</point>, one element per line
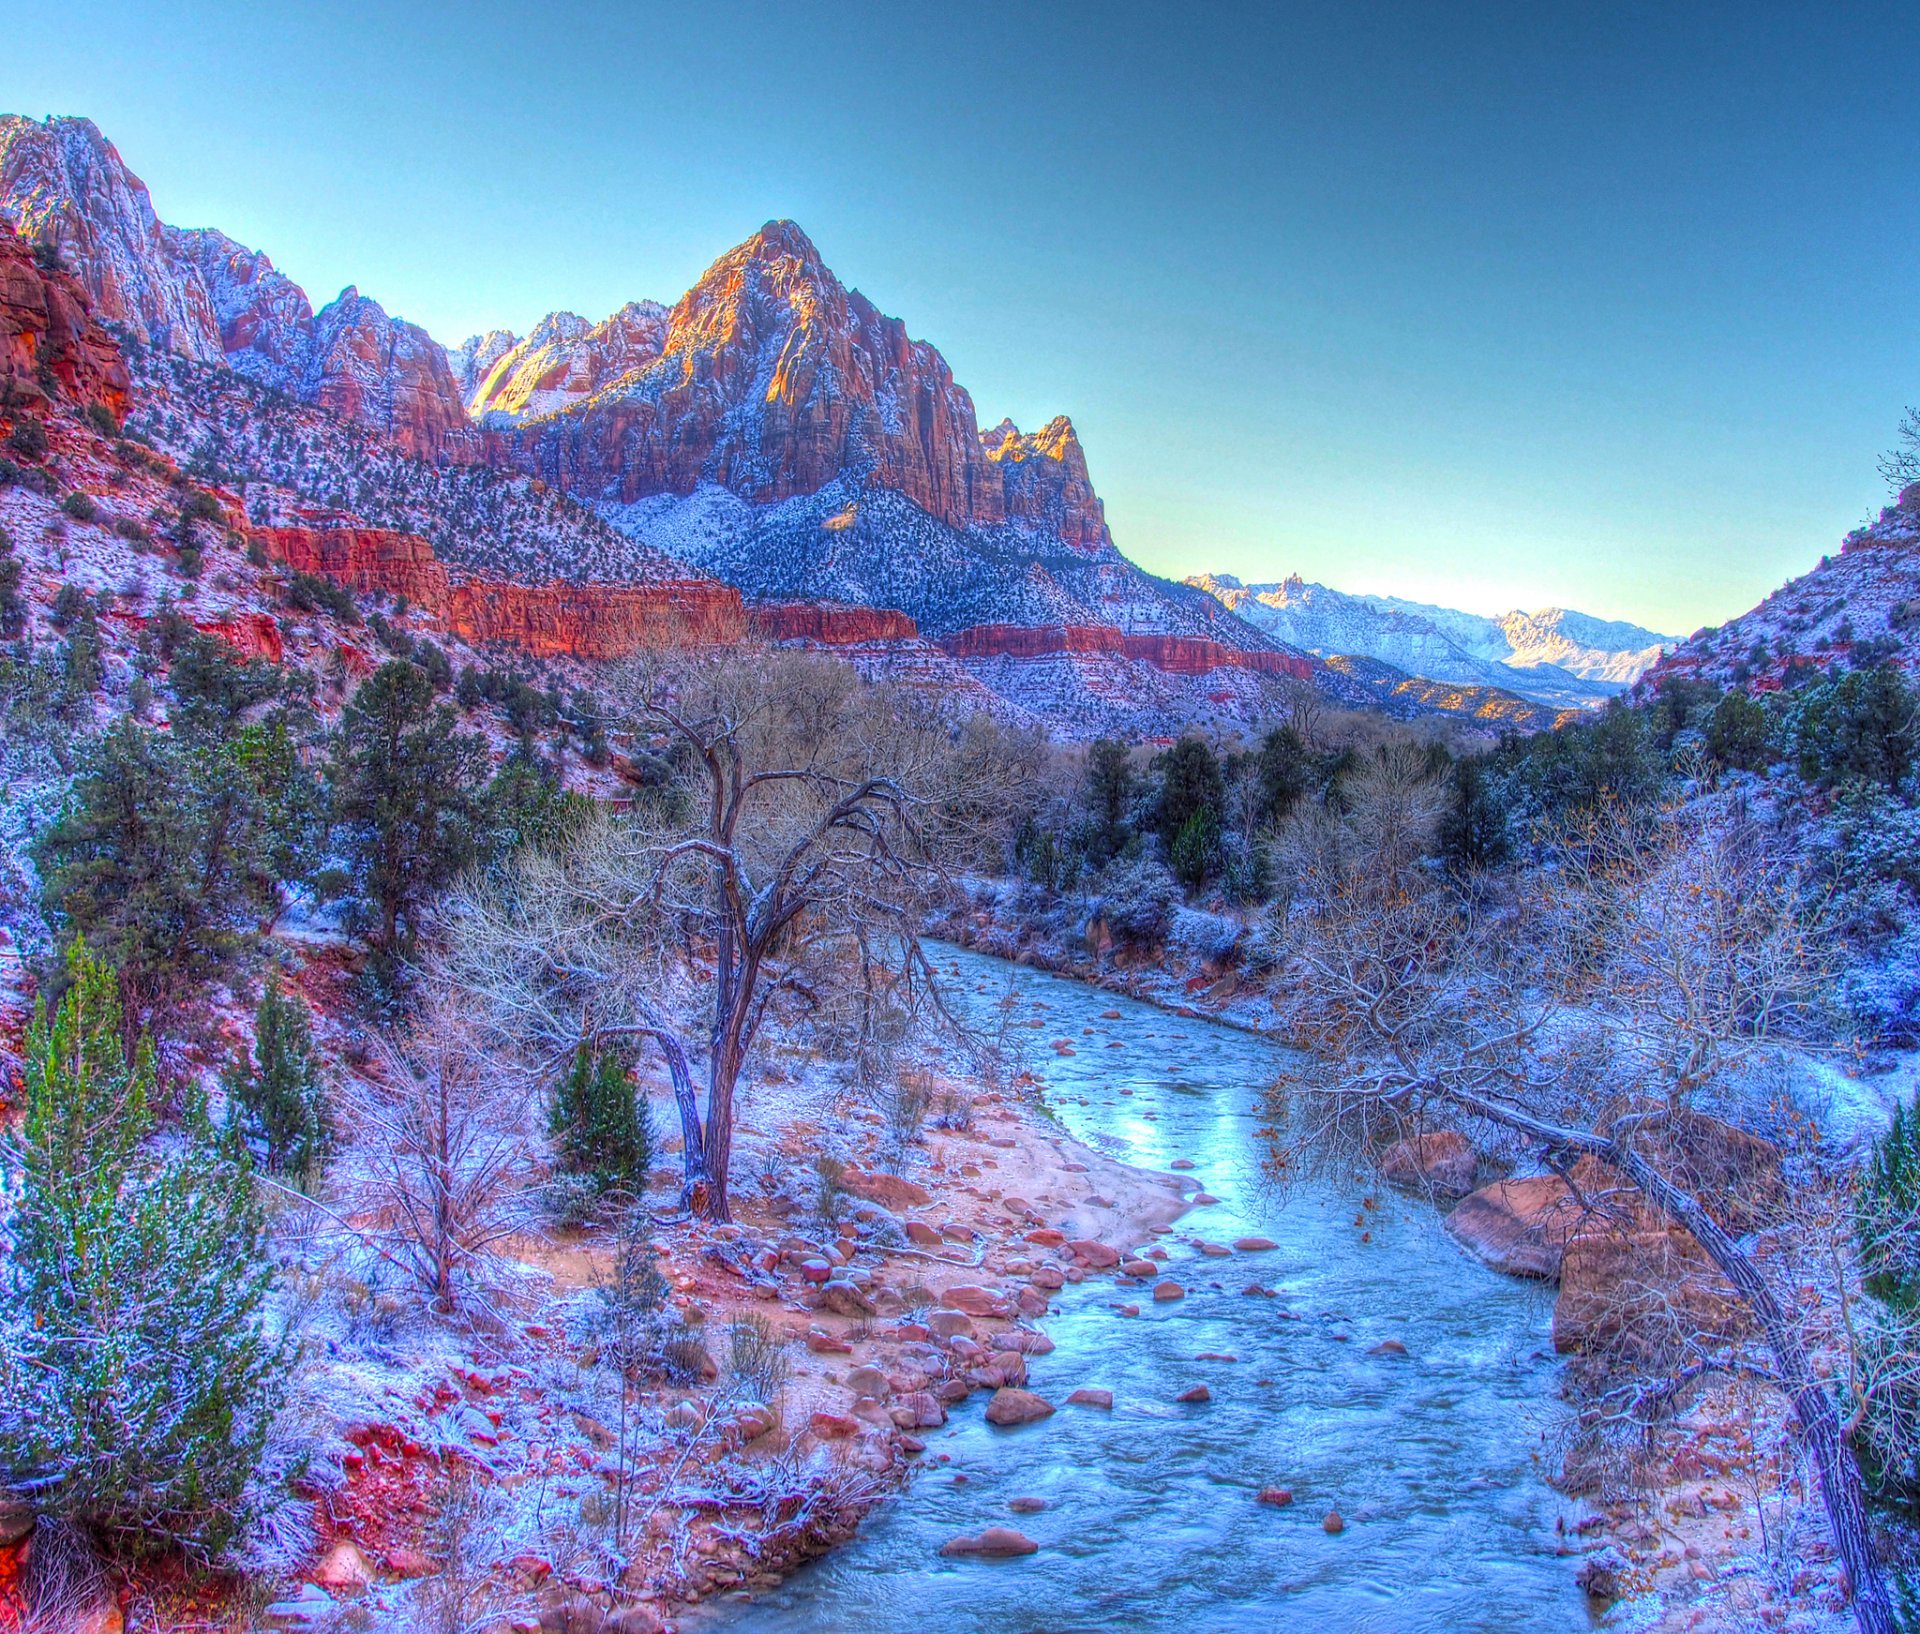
<point>1739,733</point>
<point>404,783</point>
<point>139,1384</point>
<point>1860,728</point>
<point>1109,797</point>
<point>13,606</point>
<point>277,1096</point>
<point>1190,780</point>
<point>1196,849</point>
<point>1283,771</point>
<point>1473,830</point>
<point>600,1127</point>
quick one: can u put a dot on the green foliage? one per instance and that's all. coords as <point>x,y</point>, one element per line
<point>1859,728</point>
<point>405,787</point>
<point>140,1386</point>
<point>102,420</point>
<point>600,1127</point>
<point>525,804</point>
<point>169,852</point>
<point>29,440</point>
<point>1109,799</point>
<point>1190,781</point>
<point>1888,1236</point>
<point>1474,830</point>
<point>1196,848</point>
<point>82,668</point>
<point>213,685</point>
<point>1740,734</point>
<point>1586,764</point>
<point>309,593</point>
<point>278,1100</point>
<point>80,506</point>
<point>1283,768</point>
<point>13,606</point>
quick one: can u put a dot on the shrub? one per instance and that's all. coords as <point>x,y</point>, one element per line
<point>80,506</point>
<point>600,1129</point>
<point>277,1097</point>
<point>139,1383</point>
<point>29,440</point>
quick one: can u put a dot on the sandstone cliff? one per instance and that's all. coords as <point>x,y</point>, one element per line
<point>48,339</point>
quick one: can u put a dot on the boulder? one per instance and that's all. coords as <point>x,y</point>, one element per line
<point>1277,1497</point>
<point>1441,1162</point>
<point>1011,1406</point>
<point>1198,1393</point>
<point>996,1542</point>
<point>1332,1523</point>
<point>888,1190</point>
<point>949,1324</point>
<point>1253,1245</point>
<point>1168,1290</point>
<point>1518,1226</point>
<point>1089,1396</point>
<point>923,1235</point>
<point>974,1301</point>
<point>344,1569</point>
<point>918,1410</point>
<point>1091,1252</point>
<point>868,1381</point>
<point>833,1426</point>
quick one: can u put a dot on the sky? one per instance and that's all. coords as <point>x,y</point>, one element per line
<point>1611,306</point>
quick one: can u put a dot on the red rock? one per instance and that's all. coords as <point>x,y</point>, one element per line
<point>1176,655</point>
<point>889,1190</point>
<point>1442,1161</point>
<point>833,1426</point>
<point>819,624</point>
<point>1199,1392</point>
<point>995,1541</point>
<point>1096,1254</point>
<point>1333,1523</point>
<point>973,1300</point>
<point>1011,1406</point>
<point>47,320</point>
<point>1089,1396</point>
<point>1518,1226</point>
<point>1168,1290</point>
<point>1026,1506</point>
<point>1276,1496</point>
<point>1253,1245</point>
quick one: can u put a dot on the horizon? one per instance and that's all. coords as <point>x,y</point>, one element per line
<point>1422,314</point>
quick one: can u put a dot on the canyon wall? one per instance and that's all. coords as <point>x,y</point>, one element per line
<point>1173,654</point>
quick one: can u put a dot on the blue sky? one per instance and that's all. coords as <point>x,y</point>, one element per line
<point>1606,305</point>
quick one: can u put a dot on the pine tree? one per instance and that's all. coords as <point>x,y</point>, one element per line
<point>13,607</point>
<point>599,1125</point>
<point>139,1382</point>
<point>277,1096</point>
<point>405,787</point>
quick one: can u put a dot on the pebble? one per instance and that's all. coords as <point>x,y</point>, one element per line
<point>1333,1523</point>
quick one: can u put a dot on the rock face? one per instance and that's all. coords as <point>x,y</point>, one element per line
<point>1172,654</point>
<point>563,361</point>
<point>823,625</point>
<point>597,621</point>
<point>47,329</point>
<point>200,294</point>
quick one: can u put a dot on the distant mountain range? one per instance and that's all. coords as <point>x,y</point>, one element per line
<point>1555,657</point>
<point>771,434</point>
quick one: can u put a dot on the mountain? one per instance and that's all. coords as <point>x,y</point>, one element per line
<point>198,294</point>
<point>1850,610</point>
<point>1557,657</point>
<point>771,430</point>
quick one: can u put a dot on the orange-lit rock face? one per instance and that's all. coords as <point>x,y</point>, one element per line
<point>828,626</point>
<point>47,332</point>
<point>1045,478</point>
<point>589,621</point>
<point>1175,654</point>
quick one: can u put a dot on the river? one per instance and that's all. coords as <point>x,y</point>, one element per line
<point>1434,1459</point>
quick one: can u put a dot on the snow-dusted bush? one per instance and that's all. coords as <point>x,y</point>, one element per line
<point>1137,900</point>
<point>1196,936</point>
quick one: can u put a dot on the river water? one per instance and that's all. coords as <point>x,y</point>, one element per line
<point>1434,1459</point>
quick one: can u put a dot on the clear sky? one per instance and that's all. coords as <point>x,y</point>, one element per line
<point>1606,305</point>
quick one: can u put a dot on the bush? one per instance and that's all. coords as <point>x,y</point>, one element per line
<point>139,1383</point>
<point>309,593</point>
<point>79,506</point>
<point>100,417</point>
<point>600,1129</point>
<point>1136,900</point>
<point>29,440</point>
<point>277,1098</point>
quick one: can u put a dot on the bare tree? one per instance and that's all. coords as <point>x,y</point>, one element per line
<point>1419,1012</point>
<point>811,818</point>
<point>1900,465</point>
<point>440,1154</point>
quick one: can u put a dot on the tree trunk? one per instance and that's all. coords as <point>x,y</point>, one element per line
<point>1840,1490</point>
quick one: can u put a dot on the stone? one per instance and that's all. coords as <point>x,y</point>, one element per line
<point>1602,1575</point>
<point>926,1236</point>
<point>949,1324</point>
<point>1441,1163</point>
<point>1090,1396</point>
<point>832,1426</point>
<point>1253,1245</point>
<point>1198,1393</point>
<point>1090,1252</point>
<point>1138,1268</point>
<point>996,1542</point>
<point>1518,1226</point>
<point>816,1268</point>
<point>845,1299</point>
<point>1388,1347</point>
<point>1278,1497</point>
<point>1168,1290</point>
<point>343,1569</point>
<point>1026,1506</point>
<point>1332,1523</point>
<point>16,1519</point>
<point>868,1381</point>
<point>889,1190</point>
<point>1011,1406</point>
<point>974,1300</point>
<point>918,1410</point>
<point>1215,1250</point>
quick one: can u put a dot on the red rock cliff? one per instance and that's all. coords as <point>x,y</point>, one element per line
<point>829,626</point>
<point>1175,654</point>
<point>47,333</point>
<point>591,621</point>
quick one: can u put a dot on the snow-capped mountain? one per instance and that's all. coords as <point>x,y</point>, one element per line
<point>1555,657</point>
<point>199,294</point>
